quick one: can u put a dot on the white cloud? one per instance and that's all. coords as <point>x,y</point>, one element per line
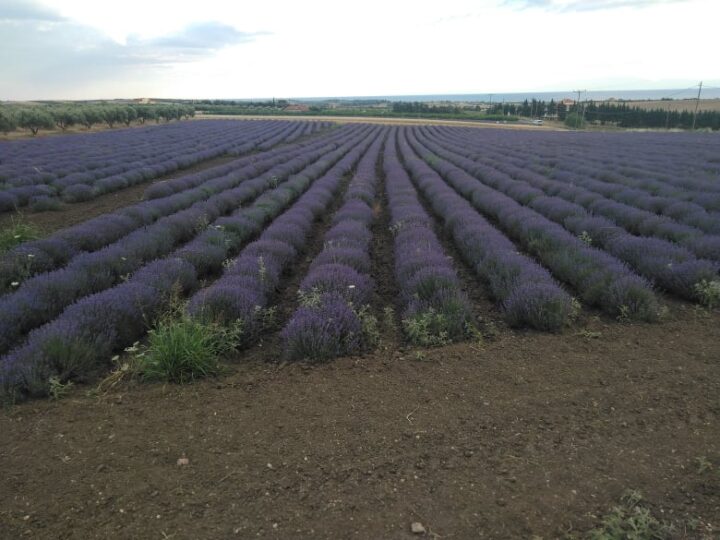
<point>319,47</point>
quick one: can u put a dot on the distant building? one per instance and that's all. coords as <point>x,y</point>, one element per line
<point>142,101</point>
<point>568,102</point>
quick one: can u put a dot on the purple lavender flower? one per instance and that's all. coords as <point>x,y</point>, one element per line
<point>326,331</point>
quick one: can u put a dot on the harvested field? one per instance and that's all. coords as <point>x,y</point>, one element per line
<point>677,104</point>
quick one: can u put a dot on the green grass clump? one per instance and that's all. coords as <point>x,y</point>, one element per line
<point>630,520</point>
<point>428,329</point>
<point>708,292</point>
<point>16,233</point>
<point>182,349</point>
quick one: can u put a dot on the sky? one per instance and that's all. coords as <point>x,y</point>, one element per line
<point>90,49</point>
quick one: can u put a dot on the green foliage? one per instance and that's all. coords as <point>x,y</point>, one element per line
<point>35,119</point>
<point>66,360</point>
<point>389,317</point>
<point>428,329</point>
<point>58,389</point>
<point>130,115</point>
<point>91,116</point>
<point>311,298</point>
<point>181,349</point>
<point>370,327</point>
<point>630,520</point>
<point>45,204</point>
<point>574,120</point>
<point>7,121</point>
<point>16,233</point>
<point>585,237</point>
<point>65,117</point>
<point>114,115</point>
<point>708,292</point>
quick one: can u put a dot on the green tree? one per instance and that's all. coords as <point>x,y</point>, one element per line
<point>65,117</point>
<point>35,119</point>
<point>130,115</point>
<point>7,121</point>
<point>113,115</point>
<point>146,113</point>
<point>91,116</point>
<point>574,120</point>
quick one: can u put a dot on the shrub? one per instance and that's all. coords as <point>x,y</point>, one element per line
<point>574,120</point>
<point>44,203</point>
<point>78,193</point>
<point>427,328</point>
<point>183,349</point>
<point>16,233</point>
<point>324,331</point>
<point>708,292</point>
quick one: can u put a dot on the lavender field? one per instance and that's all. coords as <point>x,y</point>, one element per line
<point>370,225</point>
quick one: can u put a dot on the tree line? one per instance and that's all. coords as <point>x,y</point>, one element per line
<point>36,117</point>
<point>604,112</point>
<point>424,108</point>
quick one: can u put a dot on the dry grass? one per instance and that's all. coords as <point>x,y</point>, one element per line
<point>548,126</point>
<point>677,104</point>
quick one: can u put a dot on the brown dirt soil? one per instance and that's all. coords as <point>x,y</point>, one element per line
<point>70,214</point>
<point>529,434</point>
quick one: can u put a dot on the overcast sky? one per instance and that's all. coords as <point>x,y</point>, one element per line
<point>83,49</point>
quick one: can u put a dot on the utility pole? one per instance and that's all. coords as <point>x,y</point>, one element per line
<point>697,104</point>
<point>577,107</point>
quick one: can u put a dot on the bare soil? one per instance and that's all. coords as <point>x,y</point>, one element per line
<point>529,434</point>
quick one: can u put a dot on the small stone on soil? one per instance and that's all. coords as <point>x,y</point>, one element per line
<point>183,461</point>
<point>417,528</point>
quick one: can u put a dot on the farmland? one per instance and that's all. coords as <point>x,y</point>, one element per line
<point>523,289</point>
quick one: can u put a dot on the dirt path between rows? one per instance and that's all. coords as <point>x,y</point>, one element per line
<point>71,214</point>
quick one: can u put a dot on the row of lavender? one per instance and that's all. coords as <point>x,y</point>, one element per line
<point>247,287</point>
<point>76,174</point>
<point>436,310</point>
<point>79,341</point>
<point>657,207</point>
<point>336,292</point>
<point>41,298</point>
<point>78,181</point>
<point>667,265</point>
<point>525,292</point>
<point>170,197</point>
<point>45,160</point>
<point>37,188</point>
<point>683,161</point>
<point>599,278</point>
<point>135,276</point>
<point>685,175</point>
